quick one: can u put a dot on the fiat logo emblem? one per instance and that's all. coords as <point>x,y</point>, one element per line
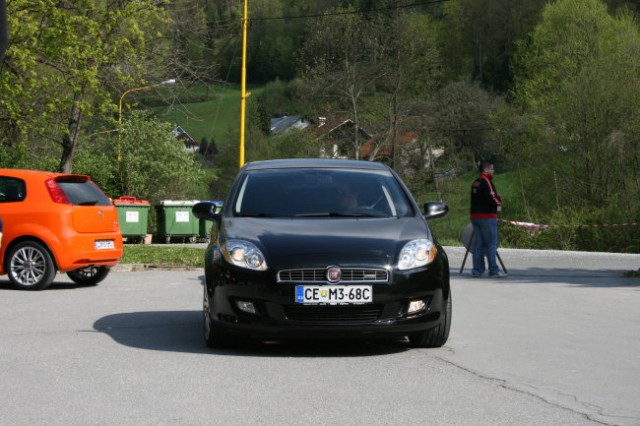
<point>334,274</point>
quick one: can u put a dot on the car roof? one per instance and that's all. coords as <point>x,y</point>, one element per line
<point>315,163</point>
<point>27,172</point>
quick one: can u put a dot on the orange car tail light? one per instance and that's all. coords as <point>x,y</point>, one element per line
<point>56,193</point>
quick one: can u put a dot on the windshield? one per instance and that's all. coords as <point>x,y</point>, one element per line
<point>320,193</point>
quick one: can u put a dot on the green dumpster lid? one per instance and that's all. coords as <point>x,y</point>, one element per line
<point>128,200</point>
<point>179,202</point>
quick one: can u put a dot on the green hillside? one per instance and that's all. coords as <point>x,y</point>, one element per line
<point>213,113</point>
<point>215,118</point>
<point>218,118</point>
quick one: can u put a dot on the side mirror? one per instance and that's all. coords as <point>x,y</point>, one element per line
<point>207,210</point>
<point>435,209</point>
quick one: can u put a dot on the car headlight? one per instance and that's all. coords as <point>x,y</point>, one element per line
<point>416,253</point>
<point>243,254</point>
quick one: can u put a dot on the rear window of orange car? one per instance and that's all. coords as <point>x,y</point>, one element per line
<point>83,192</point>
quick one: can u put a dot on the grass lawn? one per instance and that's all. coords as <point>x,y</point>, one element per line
<point>216,119</point>
<point>163,256</point>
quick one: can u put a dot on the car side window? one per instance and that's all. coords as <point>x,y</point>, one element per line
<point>12,189</point>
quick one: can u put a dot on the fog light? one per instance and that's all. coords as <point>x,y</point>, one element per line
<point>248,307</point>
<point>416,306</point>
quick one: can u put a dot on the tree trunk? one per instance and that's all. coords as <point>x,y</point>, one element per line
<point>356,121</point>
<point>71,137</point>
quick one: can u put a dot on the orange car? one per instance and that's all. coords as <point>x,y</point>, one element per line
<point>56,222</point>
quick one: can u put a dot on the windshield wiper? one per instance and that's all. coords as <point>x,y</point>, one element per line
<point>336,214</point>
<point>258,215</point>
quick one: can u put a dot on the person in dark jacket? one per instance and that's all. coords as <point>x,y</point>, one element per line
<point>485,203</point>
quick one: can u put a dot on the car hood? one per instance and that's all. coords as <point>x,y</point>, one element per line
<point>290,243</point>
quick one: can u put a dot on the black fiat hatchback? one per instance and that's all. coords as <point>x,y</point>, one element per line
<point>318,248</point>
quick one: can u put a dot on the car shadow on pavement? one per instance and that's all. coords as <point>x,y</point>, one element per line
<point>181,331</point>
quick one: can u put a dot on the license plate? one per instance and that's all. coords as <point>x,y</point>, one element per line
<point>334,294</point>
<point>103,244</point>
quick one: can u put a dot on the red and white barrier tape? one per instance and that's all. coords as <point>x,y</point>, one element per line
<point>534,229</point>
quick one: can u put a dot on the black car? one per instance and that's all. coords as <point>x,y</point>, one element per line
<point>319,248</point>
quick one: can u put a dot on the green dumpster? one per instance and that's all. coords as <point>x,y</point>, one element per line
<point>133,216</point>
<point>175,219</point>
<point>206,225</point>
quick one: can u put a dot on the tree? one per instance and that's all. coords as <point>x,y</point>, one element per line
<point>192,43</point>
<point>455,47</point>
<point>409,64</point>
<point>204,145</point>
<point>337,62</point>
<point>579,81</point>
<point>4,33</point>
<point>65,61</point>
<point>155,165</point>
<point>485,32</point>
<point>462,112</point>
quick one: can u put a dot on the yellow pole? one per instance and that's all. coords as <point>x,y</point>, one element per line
<point>243,82</point>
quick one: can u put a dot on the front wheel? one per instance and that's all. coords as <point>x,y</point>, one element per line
<point>214,335</point>
<point>30,266</point>
<point>437,336</point>
<point>91,275</point>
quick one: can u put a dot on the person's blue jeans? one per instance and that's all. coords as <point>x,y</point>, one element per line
<point>485,244</point>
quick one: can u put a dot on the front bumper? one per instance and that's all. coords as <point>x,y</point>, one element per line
<point>277,316</point>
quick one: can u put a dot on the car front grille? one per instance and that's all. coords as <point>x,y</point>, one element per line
<point>352,314</point>
<point>319,275</point>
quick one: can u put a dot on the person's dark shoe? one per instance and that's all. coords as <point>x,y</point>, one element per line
<point>499,274</point>
<point>476,275</point>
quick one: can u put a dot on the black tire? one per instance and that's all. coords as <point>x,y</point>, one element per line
<point>91,275</point>
<point>437,336</point>
<point>215,336</point>
<point>30,266</point>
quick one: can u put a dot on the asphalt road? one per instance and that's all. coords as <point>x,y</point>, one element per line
<point>555,343</point>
